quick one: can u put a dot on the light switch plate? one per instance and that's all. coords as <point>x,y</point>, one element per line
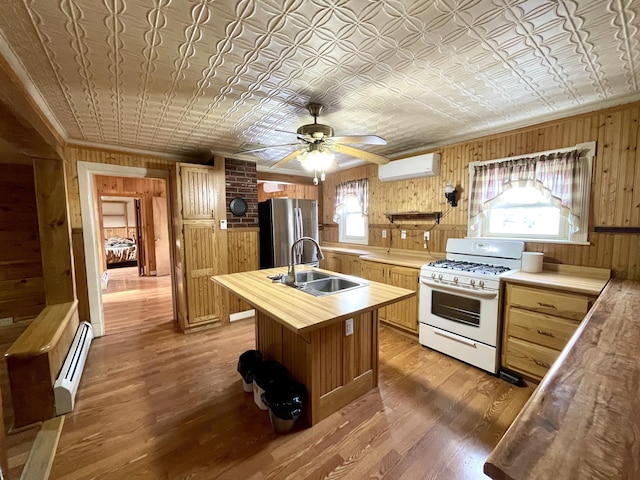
<point>403,234</point>
<point>348,327</point>
<point>223,224</point>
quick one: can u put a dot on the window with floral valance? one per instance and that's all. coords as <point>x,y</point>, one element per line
<point>540,197</point>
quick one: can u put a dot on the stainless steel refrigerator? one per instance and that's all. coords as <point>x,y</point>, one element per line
<point>282,222</point>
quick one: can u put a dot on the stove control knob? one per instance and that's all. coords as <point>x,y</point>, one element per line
<point>472,282</point>
<point>481,284</point>
<point>433,275</point>
<point>455,279</point>
<point>440,277</point>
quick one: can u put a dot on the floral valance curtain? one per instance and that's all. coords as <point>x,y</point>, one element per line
<point>359,188</point>
<point>558,174</point>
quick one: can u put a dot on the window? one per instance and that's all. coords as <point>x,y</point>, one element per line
<point>536,198</point>
<point>351,212</point>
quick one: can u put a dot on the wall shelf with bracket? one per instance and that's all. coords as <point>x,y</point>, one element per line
<point>413,215</point>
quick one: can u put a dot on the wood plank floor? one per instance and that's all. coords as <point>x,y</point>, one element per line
<point>132,302</point>
<point>156,404</point>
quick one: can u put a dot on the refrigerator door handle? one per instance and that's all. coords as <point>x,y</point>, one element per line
<point>299,233</point>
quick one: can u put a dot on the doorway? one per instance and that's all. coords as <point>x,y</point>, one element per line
<point>136,292</point>
<point>132,296</point>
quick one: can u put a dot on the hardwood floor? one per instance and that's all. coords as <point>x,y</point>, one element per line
<point>132,302</point>
<point>155,404</point>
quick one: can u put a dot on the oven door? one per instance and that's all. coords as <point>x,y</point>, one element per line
<point>470,313</point>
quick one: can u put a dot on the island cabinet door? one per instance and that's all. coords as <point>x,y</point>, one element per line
<point>335,367</point>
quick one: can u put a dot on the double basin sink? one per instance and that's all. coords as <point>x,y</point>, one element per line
<point>320,283</point>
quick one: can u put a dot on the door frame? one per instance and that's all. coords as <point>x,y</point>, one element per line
<point>86,172</point>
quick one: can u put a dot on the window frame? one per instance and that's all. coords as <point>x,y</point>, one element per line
<point>342,236</point>
<point>580,237</point>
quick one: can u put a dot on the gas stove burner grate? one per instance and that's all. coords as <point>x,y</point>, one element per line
<point>470,267</point>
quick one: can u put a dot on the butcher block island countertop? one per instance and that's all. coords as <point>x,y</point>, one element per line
<point>583,420</point>
<point>312,336</point>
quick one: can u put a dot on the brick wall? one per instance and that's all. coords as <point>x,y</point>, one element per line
<point>241,181</point>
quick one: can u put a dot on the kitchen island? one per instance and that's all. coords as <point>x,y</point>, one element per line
<point>328,343</point>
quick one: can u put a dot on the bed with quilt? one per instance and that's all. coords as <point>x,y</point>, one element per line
<point>120,252</point>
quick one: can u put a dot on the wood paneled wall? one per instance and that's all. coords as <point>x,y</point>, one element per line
<point>22,294</point>
<point>288,190</point>
<point>615,192</point>
<point>244,255</point>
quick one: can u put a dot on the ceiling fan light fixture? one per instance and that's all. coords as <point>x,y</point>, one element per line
<point>318,159</point>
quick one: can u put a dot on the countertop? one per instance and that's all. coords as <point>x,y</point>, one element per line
<point>569,278</point>
<point>403,258</point>
<point>302,312</point>
<point>582,421</point>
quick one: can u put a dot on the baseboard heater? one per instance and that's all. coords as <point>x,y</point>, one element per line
<point>66,385</point>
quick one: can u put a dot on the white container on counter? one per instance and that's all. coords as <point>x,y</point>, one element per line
<point>532,262</point>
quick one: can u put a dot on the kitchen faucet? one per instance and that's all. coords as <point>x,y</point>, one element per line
<point>291,280</point>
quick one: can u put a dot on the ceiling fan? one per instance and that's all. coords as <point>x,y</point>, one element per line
<point>317,144</point>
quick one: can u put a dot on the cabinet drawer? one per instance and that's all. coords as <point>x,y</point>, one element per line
<point>545,330</point>
<point>529,358</point>
<point>567,305</point>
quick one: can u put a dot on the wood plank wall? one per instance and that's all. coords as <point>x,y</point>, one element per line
<point>615,192</point>
<point>243,255</point>
<point>288,190</point>
<point>22,294</point>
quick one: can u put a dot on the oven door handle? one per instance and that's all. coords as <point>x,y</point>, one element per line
<point>444,333</point>
<point>468,291</point>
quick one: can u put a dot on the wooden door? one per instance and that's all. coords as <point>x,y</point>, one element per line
<point>198,192</point>
<point>405,312</point>
<point>201,246</point>
<point>161,236</point>
<point>378,272</point>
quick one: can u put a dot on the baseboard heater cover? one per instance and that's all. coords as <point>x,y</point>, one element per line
<point>66,385</point>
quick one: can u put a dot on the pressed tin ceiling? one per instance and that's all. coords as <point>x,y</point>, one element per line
<point>187,78</point>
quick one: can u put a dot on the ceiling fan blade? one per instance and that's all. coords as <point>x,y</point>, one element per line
<point>362,139</point>
<point>289,157</point>
<point>270,146</point>
<point>356,152</point>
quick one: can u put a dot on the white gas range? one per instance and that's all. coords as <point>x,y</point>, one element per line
<point>460,299</point>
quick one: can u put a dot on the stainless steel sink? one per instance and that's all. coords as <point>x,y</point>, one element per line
<point>330,285</point>
<point>309,275</point>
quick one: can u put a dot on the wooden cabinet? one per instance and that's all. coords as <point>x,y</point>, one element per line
<point>347,263</point>
<point>200,245</point>
<point>538,323</point>
<point>403,314</point>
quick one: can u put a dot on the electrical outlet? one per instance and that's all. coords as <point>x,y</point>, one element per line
<point>348,327</point>
<point>403,234</point>
<point>6,321</point>
<point>223,224</point>
<point>384,234</point>
<point>426,236</point>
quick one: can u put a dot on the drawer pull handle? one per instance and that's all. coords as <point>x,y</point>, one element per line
<point>541,364</point>
<point>548,305</point>
<point>546,334</point>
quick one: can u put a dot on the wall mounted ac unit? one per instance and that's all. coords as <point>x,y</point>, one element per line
<point>426,165</point>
